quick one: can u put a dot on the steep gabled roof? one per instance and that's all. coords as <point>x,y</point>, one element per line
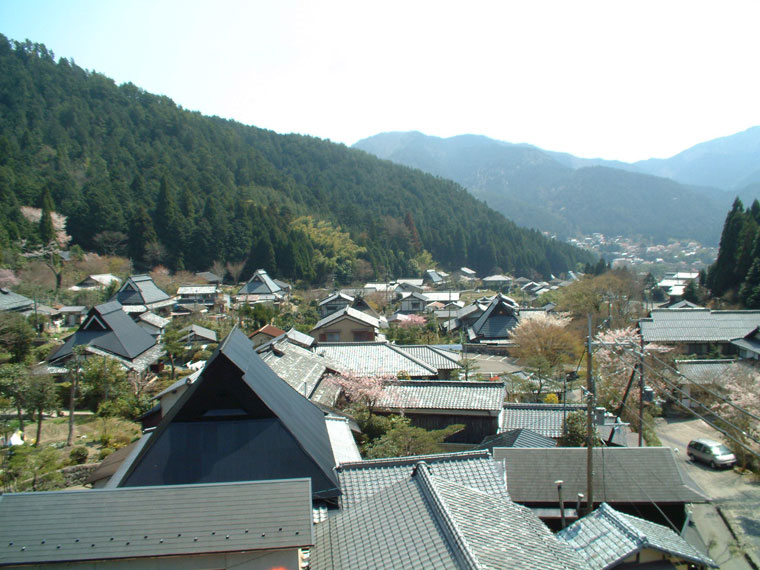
<point>140,290</point>
<point>152,522</point>
<point>238,421</point>
<point>606,537</point>
<point>110,329</point>
<point>498,320</point>
<point>426,521</point>
<point>260,283</point>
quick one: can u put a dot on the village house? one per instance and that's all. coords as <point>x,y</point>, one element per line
<point>140,294</point>
<point>250,424</point>
<point>205,295</point>
<point>700,331</point>
<point>97,281</point>
<point>347,325</point>
<point>438,404</point>
<point>607,538</point>
<point>261,288</point>
<point>108,331</point>
<point>644,481</point>
<point>257,525</point>
<point>376,359</point>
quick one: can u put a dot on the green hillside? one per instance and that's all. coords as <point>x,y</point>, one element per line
<point>137,174</point>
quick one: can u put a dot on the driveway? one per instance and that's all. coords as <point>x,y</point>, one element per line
<point>736,497</point>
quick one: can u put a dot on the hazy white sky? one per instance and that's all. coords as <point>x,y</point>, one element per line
<point>623,80</point>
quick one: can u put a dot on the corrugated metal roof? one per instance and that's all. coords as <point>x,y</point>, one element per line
<point>342,440</point>
<point>623,474</point>
<point>443,395</point>
<point>607,537</point>
<point>141,522</point>
<point>698,325</point>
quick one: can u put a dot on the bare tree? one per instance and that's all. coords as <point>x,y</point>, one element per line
<point>235,269</point>
<point>217,268</point>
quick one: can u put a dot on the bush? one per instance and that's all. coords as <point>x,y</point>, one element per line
<point>551,399</point>
<point>78,455</point>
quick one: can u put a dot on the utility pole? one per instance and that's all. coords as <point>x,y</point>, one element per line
<point>589,424</point>
<point>641,392</point>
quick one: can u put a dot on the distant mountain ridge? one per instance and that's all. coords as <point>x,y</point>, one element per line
<point>567,195</point>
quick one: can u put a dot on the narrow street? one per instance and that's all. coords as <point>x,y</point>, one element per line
<point>730,525</point>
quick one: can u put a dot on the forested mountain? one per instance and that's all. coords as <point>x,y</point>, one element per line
<point>136,173</point>
<point>560,193</point>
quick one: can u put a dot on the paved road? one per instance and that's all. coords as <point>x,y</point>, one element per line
<point>736,496</point>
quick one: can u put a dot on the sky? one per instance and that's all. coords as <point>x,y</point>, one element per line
<point>615,79</point>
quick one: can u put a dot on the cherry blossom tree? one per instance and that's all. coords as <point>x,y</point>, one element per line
<point>741,386</point>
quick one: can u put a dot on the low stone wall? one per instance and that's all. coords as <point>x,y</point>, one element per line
<point>77,474</point>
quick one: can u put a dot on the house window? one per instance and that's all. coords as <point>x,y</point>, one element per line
<point>363,336</point>
<point>329,336</point>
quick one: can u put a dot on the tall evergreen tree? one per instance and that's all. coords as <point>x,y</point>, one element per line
<point>722,275</point>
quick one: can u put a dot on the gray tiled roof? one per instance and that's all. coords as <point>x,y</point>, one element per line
<point>476,469</point>
<point>98,524</point>
<point>300,368</point>
<point>375,359</point>
<point>544,419</point>
<point>438,358</point>
<point>517,438</point>
<point>702,372</point>
<point>10,301</point>
<point>698,325</point>
<point>622,474</point>
<point>426,521</point>
<point>443,395</point>
<point>606,537</point>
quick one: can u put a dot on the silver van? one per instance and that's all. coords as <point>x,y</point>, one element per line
<point>712,452</point>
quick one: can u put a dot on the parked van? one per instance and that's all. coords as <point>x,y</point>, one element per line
<point>711,452</point>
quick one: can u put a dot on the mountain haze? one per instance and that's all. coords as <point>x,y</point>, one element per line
<point>559,193</point>
<point>731,162</point>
